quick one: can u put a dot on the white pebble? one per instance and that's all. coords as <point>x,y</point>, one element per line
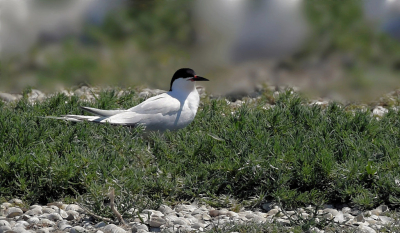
<point>346,210</point>
<point>16,201</point>
<point>4,228</point>
<point>74,207</point>
<point>379,111</point>
<point>273,212</point>
<point>111,228</point>
<point>197,225</point>
<point>13,212</point>
<point>187,208</point>
<point>231,214</point>
<point>35,211</point>
<point>65,227</point>
<point>43,230</point>
<point>22,223</point>
<point>156,221</point>
<point>33,220</point>
<point>46,222</point>
<point>47,210</point>
<point>366,229</point>
<point>165,209</point>
<point>332,211</point>
<point>339,217</point>
<point>385,220</point>
<point>284,222</point>
<point>54,217</point>
<point>77,229</point>
<point>72,215</point>
<point>19,230</point>
<point>54,207</point>
<point>8,97</point>
<point>35,206</point>
<point>136,228</point>
<point>4,223</point>
<point>223,211</point>
<point>180,221</point>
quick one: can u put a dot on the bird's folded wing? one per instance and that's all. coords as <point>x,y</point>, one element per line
<point>151,110</point>
<point>100,112</point>
<point>125,118</point>
<point>162,104</point>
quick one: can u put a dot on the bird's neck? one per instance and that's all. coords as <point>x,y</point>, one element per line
<point>183,93</point>
<point>183,87</point>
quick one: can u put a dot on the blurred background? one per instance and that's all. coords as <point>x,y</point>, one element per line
<point>338,49</point>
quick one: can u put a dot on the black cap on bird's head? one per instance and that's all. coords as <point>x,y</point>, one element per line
<point>186,73</point>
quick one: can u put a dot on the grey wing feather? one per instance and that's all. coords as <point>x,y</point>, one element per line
<point>103,113</point>
<point>157,104</point>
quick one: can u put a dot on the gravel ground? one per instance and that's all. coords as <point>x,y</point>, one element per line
<point>60,217</point>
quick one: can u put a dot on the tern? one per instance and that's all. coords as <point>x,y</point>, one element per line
<point>172,110</point>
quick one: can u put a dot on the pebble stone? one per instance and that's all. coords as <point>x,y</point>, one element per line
<point>142,231</point>
<point>138,228</point>
<point>9,97</point>
<point>100,224</point>
<point>33,220</point>
<point>54,217</point>
<point>165,209</point>
<point>5,228</point>
<point>43,230</point>
<point>112,228</point>
<point>77,229</point>
<point>46,210</point>
<point>16,201</point>
<point>72,215</point>
<point>74,207</point>
<point>213,213</point>
<point>18,229</point>
<point>379,111</point>
<point>33,212</point>
<point>4,223</point>
<point>156,221</point>
<point>13,211</point>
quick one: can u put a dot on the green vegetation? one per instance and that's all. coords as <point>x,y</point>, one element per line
<point>295,153</point>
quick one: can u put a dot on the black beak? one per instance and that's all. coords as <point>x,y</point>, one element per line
<point>199,78</point>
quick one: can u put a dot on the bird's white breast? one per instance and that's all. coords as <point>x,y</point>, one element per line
<point>184,111</point>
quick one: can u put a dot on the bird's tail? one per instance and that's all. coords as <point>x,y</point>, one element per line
<point>78,118</point>
<point>100,115</point>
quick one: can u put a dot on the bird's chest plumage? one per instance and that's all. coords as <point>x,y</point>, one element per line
<point>192,103</point>
<point>188,110</point>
